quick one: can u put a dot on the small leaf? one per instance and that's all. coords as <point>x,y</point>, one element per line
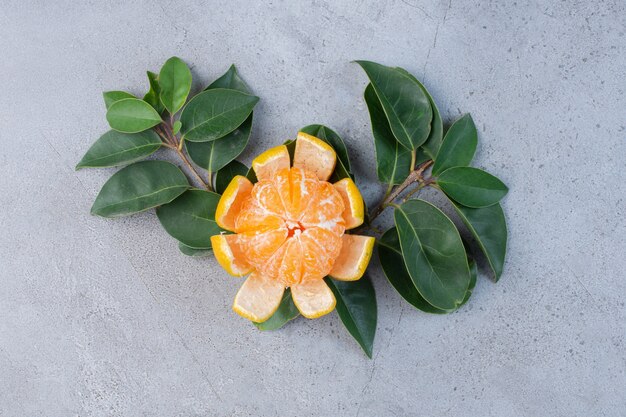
<point>458,146</point>
<point>176,127</point>
<point>230,80</point>
<point>190,218</point>
<point>153,96</point>
<point>216,154</point>
<point>333,139</point>
<point>432,144</point>
<point>111,97</point>
<point>471,187</point>
<point>393,161</point>
<point>356,306</point>
<point>193,252</point>
<point>215,113</point>
<point>287,311</point>
<point>406,106</point>
<point>131,115</point>
<point>226,174</point>
<point>433,253</point>
<point>175,83</point>
<point>390,256</point>
<point>116,148</point>
<point>488,226</point>
<point>138,187</point>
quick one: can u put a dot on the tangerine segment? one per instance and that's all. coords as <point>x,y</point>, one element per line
<point>270,162</point>
<point>354,211</point>
<point>231,201</point>
<point>258,247</point>
<point>352,261</point>
<point>320,248</point>
<point>230,255</point>
<point>269,198</point>
<point>313,298</point>
<point>303,187</point>
<point>314,155</point>
<point>285,265</point>
<point>325,210</point>
<point>258,298</point>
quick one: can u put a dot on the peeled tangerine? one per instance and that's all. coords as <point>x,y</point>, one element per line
<point>289,231</point>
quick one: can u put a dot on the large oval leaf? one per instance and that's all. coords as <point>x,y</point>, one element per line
<point>406,106</point>
<point>458,146</point>
<point>175,83</point>
<point>131,115</point>
<point>333,139</point>
<point>356,306</point>
<point>111,97</point>
<point>190,218</point>
<point>393,161</point>
<point>224,176</point>
<point>471,187</point>
<point>287,311</point>
<point>390,256</point>
<point>488,226</point>
<point>117,148</point>
<point>153,96</point>
<point>230,80</point>
<point>216,154</point>
<point>215,113</point>
<point>193,252</point>
<point>433,253</point>
<point>139,187</point>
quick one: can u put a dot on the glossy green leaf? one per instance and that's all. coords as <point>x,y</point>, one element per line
<point>488,226</point>
<point>393,161</point>
<point>175,83</point>
<point>356,306</point>
<point>433,253</point>
<point>435,137</point>
<point>213,114</point>
<point>471,187</point>
<point>193,252</point>
<point>176,127</point>
<point>458,146</point>
<point>111,97</point>
<point>287,311</point>
<point>226,174</point>
<point>230,80</point>
<point>291,148</point>
<point>190,218</point>
<point>153,96</point>
<point>131,115</point>
<point>216,154</point>
<point>406,106</point>
<point>138,187</point>
<point>117,148</point>
<point>473,278</point>
<point>390,256</point>
<point>333,139</point>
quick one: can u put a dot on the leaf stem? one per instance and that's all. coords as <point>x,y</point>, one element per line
<point>413,158</point>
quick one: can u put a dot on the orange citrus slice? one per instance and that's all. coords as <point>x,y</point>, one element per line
<point>354,257</point>
<point>270,161</point>
<point>258,298</point>
<point>229,254</point>
<point>314,155</point>
<point>354,211</point>
<point>313,298</point>
<point>230,204</point>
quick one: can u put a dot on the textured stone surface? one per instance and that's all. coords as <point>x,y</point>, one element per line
<point>106,318</point>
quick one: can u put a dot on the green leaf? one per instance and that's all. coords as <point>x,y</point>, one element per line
<point>404,102</point>
<point>131,115</point>
<point>226,174</point>
<point>190,218</point>
<point>111,97</point>
<point>458,145</point>
<point>139,187</point>
<point>175,83</point>
<point>473,277</point>
<point>333,139</point>
<point>192,251</point>
<point>216,154</point>
<point>393,161</point>
<point>471,187</point>
<point>152,97</point>
<point>230,80</point>
<point>116,148</point>
<point>356,306</point>
<point>287,311</point>
<point>488,226</point>
<point>433,253</point>
<point>435,137</point>
<point>390,256</point>
<point>176,127</point>
<point>215,113</point>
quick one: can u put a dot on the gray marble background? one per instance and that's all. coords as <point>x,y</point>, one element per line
<point>106,318</point>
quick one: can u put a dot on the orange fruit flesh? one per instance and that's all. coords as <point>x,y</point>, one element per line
<point>354,257</point>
